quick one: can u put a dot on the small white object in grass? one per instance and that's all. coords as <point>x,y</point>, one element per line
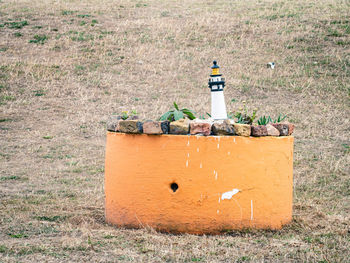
<point>271,65</point>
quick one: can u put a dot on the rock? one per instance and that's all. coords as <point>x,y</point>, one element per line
<point>152,127</point>
<point>290,127</point>
<point>258,130</point>
<point>156,127</point>
<point>165,126</point>
<point>200,127</point>
<point>223,128</point>
<point>112,123</point>
<point>130,126</point>
<point>179,127</point>
<point>272,131</point>
<point>242,129</point>
<point>282,128</point>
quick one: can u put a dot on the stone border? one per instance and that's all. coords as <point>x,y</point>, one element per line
<point>198,127</point>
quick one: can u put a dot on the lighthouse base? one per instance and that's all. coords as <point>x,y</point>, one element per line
<point>218,106</point>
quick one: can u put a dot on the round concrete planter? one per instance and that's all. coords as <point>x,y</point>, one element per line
<point>197,184</point>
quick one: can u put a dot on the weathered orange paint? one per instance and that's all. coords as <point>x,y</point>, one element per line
<point>140,169</point>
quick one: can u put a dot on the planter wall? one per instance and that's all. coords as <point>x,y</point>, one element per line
<point>197,184</point>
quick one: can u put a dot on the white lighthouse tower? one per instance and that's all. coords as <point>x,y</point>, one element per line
<point>216,85</point>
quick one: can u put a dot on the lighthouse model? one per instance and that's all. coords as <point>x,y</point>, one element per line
<point>216,85</point>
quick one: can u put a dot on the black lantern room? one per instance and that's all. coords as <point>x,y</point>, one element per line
<point>216,82</point>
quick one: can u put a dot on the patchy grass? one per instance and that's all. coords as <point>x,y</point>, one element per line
<point>16,25</point>
<point>38,39</point>
<point>98,58</point>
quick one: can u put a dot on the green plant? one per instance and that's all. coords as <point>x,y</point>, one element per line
<point>38,39</point>
<point>84,15</point>
<point>177,114</point>
<point>81,36</point>
<point>280,118</point>
<point>125,114</point>
<point>93,22</point>
<point>242,116</point>
<point>202,116</point>
<point>67,12</point>
<point>39,93</point>
<point>264,120</point>
<point>17,34</point>
<point>16,25</point>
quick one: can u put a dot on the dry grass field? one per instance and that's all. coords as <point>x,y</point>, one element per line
<point>66,65</point>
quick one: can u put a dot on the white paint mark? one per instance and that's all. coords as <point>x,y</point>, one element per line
<point>216,175</point>
<point>251,209</point>
<point>239,208</point>
<point>234,140</point>
<point>188,155</point>
<point>200,166</point>
<point>218,146</point>
<point>219,199</point>
<point>228,153</point>
<point>214,172</point>
<point>217,211</point>
<point>187,163</point>
<point>219,138</point>
<point>198,150</point>
<point>229,194</point>
<point>188,143</point>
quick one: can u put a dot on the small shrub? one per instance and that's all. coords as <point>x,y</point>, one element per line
<point>125,114</point>
<point>177,114</point>
<point>242,116</point>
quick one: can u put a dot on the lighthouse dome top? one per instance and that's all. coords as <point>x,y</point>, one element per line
<point>215,69</point>
<point>215,65</point>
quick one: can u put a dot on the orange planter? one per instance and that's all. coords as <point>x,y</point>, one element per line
<point>196,184</point>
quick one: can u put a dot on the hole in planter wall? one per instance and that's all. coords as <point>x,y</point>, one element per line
<point>174,187</point>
